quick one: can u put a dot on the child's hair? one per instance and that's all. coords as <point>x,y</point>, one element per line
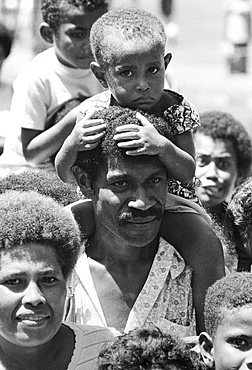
<point>148,348</point>
<point>53,11</point>
<point>44,182</point>
<point>6,39</point>
<point>124,24</point>
<point>29,217</point>
<point>221,125</point>
<point>229,293</point>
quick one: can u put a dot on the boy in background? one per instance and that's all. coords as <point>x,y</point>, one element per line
<point>53,78</point>
<point>228,319</point>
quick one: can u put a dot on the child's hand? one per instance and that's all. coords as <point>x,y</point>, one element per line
<point>87,133</point>
<point>143,139</point>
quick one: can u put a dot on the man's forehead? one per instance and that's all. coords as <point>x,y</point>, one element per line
<point>143,165</point>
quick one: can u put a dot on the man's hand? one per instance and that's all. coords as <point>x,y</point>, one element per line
<point>143,139</point>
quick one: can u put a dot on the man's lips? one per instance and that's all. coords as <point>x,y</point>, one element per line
<point>141,220</point>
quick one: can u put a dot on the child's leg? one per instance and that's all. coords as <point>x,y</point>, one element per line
<point>83,213</point>
<point>195,240</point>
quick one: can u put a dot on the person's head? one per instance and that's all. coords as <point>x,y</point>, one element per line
<point>224,156</point>
<point>238,218</point>
<point>39,246</point>
<point>148,349</point>
<point>129,47</point>
<point>6,40</point>
<point>228,321</point>
<point>44,182</point>
<point>128,192</point>
<point>67,26</point>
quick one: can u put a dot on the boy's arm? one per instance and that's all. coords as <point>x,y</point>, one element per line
<point>38,146</point>
<point>86,135</point>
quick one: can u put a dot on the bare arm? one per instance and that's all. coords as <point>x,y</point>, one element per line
<point>177,157</point>
<point>38,146</point>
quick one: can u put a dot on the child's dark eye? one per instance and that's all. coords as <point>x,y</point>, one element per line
<point>13,282</point>
<point>79,34</point>
<point>240,343</point>
<point>153,70</point>
<point>48,280</point>
<point>127,73</point>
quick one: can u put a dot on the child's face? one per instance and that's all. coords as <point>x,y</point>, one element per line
<point>72,41</point>
<point>233,341</point>
<point>136,78</point>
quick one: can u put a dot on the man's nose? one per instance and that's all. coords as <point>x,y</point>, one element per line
<point>33,295</point>
<point>141,200</point>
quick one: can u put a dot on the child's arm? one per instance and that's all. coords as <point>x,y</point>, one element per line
<point>178,158</point>
<point>38,145</point>
<point>85,135</point>
<point>200,248</point>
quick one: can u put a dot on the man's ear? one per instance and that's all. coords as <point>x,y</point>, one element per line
<point>46,32</point>
<point>206,349</point>
<point>83,181</point>
<point>167,59</point>
<point>99,73</point>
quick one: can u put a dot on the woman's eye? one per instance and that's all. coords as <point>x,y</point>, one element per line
<point>127,73</point>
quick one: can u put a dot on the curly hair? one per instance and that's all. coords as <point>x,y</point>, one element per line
<point>29,217</point>
<point>123,25</point>
<point>229,293</point>
<point>43,182</point>
<point>92,161</point>
<point>53,11</point>
<point>221,125</point>
<point>146,347</point>
<point>6,39</point>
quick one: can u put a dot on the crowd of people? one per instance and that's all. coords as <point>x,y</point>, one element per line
<point>125,229</point>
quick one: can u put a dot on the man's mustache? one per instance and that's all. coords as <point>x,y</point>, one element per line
<point>136,213</point>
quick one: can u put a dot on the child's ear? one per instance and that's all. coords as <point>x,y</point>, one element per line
<point>206,349</point>
<point>46,32</point>
<point>167,59</point>
<point>83,181</point>
<point>99,73</point>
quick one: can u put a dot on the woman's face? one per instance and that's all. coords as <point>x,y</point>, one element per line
<point>216,168</point>
<point>33,292</point>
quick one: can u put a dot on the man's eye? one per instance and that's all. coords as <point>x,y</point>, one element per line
<point>127,73</point>
<point>121,184</point>
<point>48,280</point>
<point>156,180</point>
<point>153,70</point>
<point>13,282</point>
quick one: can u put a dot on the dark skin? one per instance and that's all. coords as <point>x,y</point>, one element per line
<point>199,246</point>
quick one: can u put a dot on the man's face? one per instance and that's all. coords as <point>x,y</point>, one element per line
<point>216,168</point>
<point>71,44</point>
<point>129,199</point>
<point>233,340</point>
<point>136,78</point>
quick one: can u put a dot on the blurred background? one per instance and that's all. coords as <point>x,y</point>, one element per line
<point>210,41</point>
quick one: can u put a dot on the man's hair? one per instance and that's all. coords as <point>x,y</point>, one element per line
<point>227,294</point>
<point>146,347</point>
<point>221,125</point>
<point>124,24</point>
<point>238,217</point>
<point>92,161</point>
<point>44,182</point>
<point>53,11</point>
<point>29,217</point>
<point>6,39</point>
